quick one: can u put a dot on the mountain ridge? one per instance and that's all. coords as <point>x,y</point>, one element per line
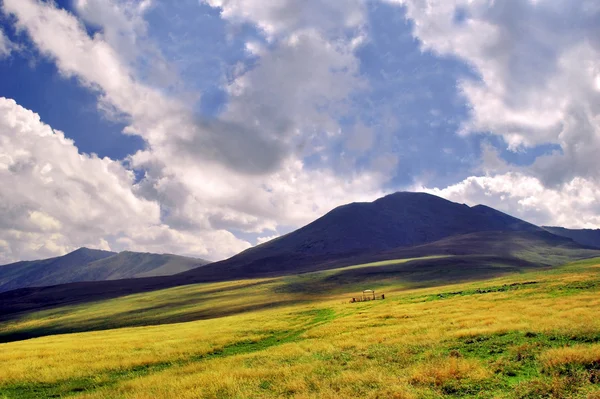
<point>588,237</point>
<point>85,264</point>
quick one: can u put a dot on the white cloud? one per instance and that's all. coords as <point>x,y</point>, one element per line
<point>243,171</point>
<point>6,46</point>
<point>537,63</point>
<point>574,205</point>
<point>287,16</point>
<point>55,199</point>
<point>262,240</point>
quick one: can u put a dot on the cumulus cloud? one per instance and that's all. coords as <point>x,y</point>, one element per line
<point>262,240</point>
<point>55,199</point>
<point>278,18</point>
<point>241,171</point>
<point>537,63</point>
<point>574,205</point>
<point>276,154</point>
<point>537,69</point>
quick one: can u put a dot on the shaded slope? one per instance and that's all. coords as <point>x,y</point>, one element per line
<point>132,265</point>
<point>42,272</point>
<point>540,247</point>
<point>587,237</point>
<point>92,265</point>
<point>534,247</point>
<point>395,221</point>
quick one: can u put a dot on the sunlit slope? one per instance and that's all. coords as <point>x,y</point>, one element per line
<point>461,258</point>
<point>202,301</point>
<point>528,335</point>
<point>514,249</point>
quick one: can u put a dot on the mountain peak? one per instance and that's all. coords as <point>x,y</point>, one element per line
<point>409,195</point>
<point>398,220</point>
<point>88,254</point>
<point>90,250</point>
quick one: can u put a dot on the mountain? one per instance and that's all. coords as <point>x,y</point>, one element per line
<point>38,272</point>
<point>399,220</point>
<point>588,237</point>
<point>481,242</point>
<point>92,265</point>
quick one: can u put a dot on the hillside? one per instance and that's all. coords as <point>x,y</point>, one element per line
<point>533,334</point>
<point>475,255</point>
<point>398,226</point>
<point>588,237</point>
<point>401,219</point>
<point>92,265</point>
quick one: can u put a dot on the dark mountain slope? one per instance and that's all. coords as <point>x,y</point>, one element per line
<point>92,265</point>
<point>588,237</point>
<point>398,220</point>
<point>131,265</point>
<point>395,221</point>
<point>536,248</point>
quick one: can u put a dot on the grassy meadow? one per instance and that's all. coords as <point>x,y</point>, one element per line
<point>529,334</point>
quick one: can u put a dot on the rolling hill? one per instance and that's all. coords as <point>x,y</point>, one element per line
<point>588,237</point>
<point>87,264</point>
<point>534,334</point>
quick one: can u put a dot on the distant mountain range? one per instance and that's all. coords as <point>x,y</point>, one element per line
<point>87,264</point>
<point>481,240</point>
<point>588,237</point>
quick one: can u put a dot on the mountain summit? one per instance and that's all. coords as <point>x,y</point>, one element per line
<point>399,220</point>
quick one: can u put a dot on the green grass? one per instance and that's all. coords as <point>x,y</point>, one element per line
<point>529,334</point>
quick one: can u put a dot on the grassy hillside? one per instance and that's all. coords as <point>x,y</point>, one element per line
<point>528,334</point>
<point>476,256</point>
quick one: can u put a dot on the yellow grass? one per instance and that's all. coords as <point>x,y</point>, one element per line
<point>582,355</point>
<point>401,347</point>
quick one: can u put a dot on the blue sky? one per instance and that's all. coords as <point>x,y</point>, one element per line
<point>218,124</point>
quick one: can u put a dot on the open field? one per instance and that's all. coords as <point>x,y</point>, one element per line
<point>528,334</point>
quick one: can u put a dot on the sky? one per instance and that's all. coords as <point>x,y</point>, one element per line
<point>204,127</point>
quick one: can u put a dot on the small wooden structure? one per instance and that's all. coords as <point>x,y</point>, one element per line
<point>367,295</point>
